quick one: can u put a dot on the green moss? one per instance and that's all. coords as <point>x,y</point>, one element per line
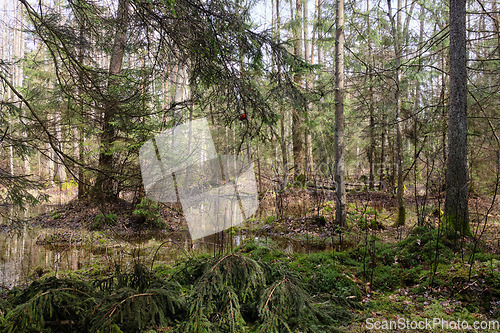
<point>401,215</point>
<point>322,275</point>
<point>419,248</point>
<point>300,180</point>
<point>455,226</point>
<point>270,219</point>
<point>262,289</point>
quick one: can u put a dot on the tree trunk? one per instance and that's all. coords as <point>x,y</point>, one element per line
<point>4,88</point>
<point>456,202</point>
<point>297,113</point>
<point>420,217</point>
<point>283,112</point>
<point>308,47</point>
<point>79,134</point>
<point>319,33</point>
<point>59,174</point>
<point>340,213</point>
<point>105,179</point>
<point>396,32</point>
<point>496,23</point>
<point>371,147</point>
<point>442,101</point>
<point>382,174</point>
<point>18,54</point>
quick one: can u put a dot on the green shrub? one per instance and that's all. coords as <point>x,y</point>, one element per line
<point>270,219</point>
<point>118,304</point>
<point>62,304</point>
<point>101,220</point>
<point>216,302</point>
<point>133,311</point>
<point>148,212</point>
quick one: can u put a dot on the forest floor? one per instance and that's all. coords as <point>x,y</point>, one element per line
<point>305,214</point>
<point>383,273</point>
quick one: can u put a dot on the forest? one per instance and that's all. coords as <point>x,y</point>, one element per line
<point>249,166</point>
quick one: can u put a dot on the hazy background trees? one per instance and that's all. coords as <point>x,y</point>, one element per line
<point>95,80</point>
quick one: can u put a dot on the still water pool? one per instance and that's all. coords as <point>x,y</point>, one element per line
<point>27,252</point>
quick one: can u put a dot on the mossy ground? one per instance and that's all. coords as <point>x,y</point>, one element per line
<point>372,270</point>
<point>317,292</point>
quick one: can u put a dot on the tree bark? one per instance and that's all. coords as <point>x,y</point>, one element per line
<point>396,32</point>
<point>105,184</point>
<point>456,202</point>
<point>297,113</point>
<point>308,47</point>
<point>283,113</point>
<point>319,33</point>
<point>496,23</point>
<point>18,55</point>
<point>382,173</point>
<point>79,133</point>
<point>340,213</point>
<point>371,108</point>
<point>420,217</point>
<point>5,89</point>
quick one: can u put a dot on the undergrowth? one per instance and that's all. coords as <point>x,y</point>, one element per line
<point>258,288</point>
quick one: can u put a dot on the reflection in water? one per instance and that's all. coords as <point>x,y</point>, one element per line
<point>22,259</point>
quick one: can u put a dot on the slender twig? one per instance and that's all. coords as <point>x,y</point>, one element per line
<point>165,242</point>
